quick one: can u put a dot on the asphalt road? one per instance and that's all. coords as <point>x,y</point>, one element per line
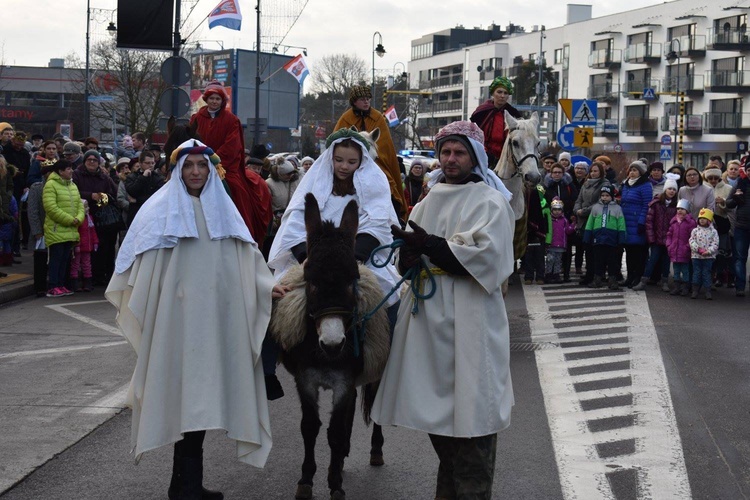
<point>64,435</point>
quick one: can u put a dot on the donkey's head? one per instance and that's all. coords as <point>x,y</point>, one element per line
<point>330,273</point>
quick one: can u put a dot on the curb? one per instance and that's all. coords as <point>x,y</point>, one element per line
<point>16,291</point>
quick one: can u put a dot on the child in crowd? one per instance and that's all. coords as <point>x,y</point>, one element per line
<point>605,230</point>
<point>704,245</point>
<point>81,263</point>
<point>661,210</point>
<point>678,246</point>
<point>537,226</point>
<point>557,240</point>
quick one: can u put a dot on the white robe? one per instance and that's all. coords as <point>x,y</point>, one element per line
<point>196,314</point>
<point>449,368</point>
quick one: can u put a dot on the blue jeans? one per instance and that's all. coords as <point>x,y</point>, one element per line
<point>741,244</point>
<point>59,260</point>
<point>681,272</point>
<point>658,256</point>
<point>702,273</point>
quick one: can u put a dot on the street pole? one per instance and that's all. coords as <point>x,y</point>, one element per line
<point>176,67</point>
<point>87,91</point>
<point>539,85</point>
<point>380,51</point>
<point>256,132</point>
<point>672,55</point>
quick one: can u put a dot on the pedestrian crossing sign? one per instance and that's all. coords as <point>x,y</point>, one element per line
<point>584,112</point>
<point>649,94</point>
<point>665,154</point>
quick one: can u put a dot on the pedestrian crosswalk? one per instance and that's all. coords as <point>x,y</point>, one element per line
<point>606,394</point>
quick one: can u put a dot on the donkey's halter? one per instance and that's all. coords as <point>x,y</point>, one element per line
<point>516,162</point>
<point>332,311</point>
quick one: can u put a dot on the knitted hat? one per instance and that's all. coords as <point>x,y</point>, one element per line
<point>501,81</point>
<point>293,160</point>
<point>5,125</point>
<point>606,189</point>
<point>604,159</point>
<point>638,164</point>
<point>90,152</point>
<point>706,213</point>
<point>556,203</point>
<point>359,91</point>
<point>683,204</point>
<point>215,87</point>
<point>711,172</point>
<point>583,165</point>
<point>284,166</point>
<point>72,147</point>
<point>563,156</point>
<point>671,181</point>
<point>656,165</point>
<point>460,131</point>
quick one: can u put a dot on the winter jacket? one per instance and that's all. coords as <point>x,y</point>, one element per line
<point>561,229</point>
<point>539,219</point>
<point>705,238</point>
<point>35,209</point>
<point>660,213</point>
<point>741,202</point>
<point>657,186</point>
<point>89,183</point>
<point>700,196</point>
<point>678,239</point>
<point>492,122</point>
<point>722,190</point>
<point>281,192</point>
<point>587,198</point>
<point>563,189</point>
<point>62,204</point>
<point>141,188</point>
<point>89,241</point>
<point>21,159</point>
<point>6,193</point>
<point>634,202</point>
<point>6,228</point>
<point>605,225</point>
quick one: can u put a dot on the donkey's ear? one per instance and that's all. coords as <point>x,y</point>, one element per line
<point>170,124</point>
<point>354,128</point>
<point>313,223</point>
<point>350,219</point>
<point>193,129</point>
<point>375,135</point>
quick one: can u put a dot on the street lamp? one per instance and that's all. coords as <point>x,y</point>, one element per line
<point>671,56</point>
<point>112,30</point>
<point>380,51</point>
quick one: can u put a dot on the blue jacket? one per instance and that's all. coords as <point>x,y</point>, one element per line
<point>634,202</point>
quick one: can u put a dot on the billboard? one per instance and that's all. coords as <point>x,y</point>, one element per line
<point>210,66</point>
<point>145,24</point>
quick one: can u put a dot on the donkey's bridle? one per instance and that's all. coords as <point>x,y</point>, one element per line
<point>332,311</point>
<point>517,163</point>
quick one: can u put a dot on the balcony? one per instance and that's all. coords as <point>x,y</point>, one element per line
<point>727,123</point>
<point>645,53</point>
<point>455,80</point>
<point>605,59</point>
<point>728,81</point>
<point>690,46</point>
<point>644,127</point>
<point>633,89</point>
<point>606,128</point>
<point>440,107</point>
<point>732,39</point>
<point>691,85</point>
<point>602,93</point>
<point>691,125</point>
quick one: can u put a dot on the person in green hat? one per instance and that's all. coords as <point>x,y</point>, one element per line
<point>490,116</point>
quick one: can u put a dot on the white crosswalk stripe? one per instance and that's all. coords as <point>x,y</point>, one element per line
<point>606,394</point>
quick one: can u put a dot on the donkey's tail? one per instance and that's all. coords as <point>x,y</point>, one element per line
<point>368,398</point>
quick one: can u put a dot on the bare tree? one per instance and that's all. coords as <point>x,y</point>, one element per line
<point>337,73</point>
<point>131,78</point>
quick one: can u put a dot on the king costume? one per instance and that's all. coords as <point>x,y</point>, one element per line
<point>193,295</point>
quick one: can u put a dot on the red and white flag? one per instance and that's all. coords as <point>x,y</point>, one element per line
<point>392,116</point>
<point>226,14</point>
<point>297,67</point>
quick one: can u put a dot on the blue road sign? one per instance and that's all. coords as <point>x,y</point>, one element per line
<point>666,140</point>
<point>665,153</point>
<point>576,158</point>
<point>565,137</point>
<point>584,112</point>
<point>101,98</point>
<point>649,93</point>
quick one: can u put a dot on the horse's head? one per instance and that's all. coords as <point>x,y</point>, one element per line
<point>331,272</point>
<point>520,151</point>
<point>371,138</point>
<point>177,134</point>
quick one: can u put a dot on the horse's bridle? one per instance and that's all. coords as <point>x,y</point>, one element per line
<point>517,163</point>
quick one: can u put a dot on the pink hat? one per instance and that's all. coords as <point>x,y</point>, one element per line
<point>215,87</point>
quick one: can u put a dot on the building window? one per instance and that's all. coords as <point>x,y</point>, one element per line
<point>558,56</point>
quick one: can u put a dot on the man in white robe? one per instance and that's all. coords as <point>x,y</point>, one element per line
<point>448,373</point>
<point>193,295</point>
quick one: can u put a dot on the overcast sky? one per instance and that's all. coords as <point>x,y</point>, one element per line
<point>44,29</point>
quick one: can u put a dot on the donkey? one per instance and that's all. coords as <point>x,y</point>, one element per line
<point>316,328</point>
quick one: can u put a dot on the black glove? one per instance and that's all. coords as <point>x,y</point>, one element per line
<point>415,240</point>
<point>641,229</point>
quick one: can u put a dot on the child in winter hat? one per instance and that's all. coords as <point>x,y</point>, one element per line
<point>678,246</point>
<point>557,241</point>
<point>704,245</point>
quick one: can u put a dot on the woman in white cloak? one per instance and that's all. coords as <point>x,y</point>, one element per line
<point>193,296</point>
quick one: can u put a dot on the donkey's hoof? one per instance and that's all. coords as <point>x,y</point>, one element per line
<point>338,495</point>
<point>376,459</point>
<point>304,492</point>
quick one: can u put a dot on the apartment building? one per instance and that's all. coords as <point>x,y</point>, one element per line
<point>673,72</point>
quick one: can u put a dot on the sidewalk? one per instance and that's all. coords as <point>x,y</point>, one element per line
<point>20,281</point>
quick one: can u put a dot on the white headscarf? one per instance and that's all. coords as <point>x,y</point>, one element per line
<point>376,213</point>
<point>168,215</point>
